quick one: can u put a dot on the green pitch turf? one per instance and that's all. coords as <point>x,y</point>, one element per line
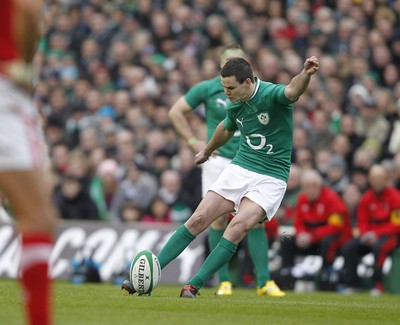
<point>106,304</point>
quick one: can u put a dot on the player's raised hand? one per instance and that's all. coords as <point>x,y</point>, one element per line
<point>311,65</point>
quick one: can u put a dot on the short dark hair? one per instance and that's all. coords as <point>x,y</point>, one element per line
<point>239,68</point>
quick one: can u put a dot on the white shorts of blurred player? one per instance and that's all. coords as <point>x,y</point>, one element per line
<point>236,182</point>
<point>211,170</point>
<point>21,137</point>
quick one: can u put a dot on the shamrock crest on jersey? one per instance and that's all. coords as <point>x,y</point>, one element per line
<point>263,118</point>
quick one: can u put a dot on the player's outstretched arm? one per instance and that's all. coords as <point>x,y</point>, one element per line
<point>219,138</point>
<point>299,83</point>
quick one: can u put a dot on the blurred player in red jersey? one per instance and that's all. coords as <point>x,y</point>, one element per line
<point>321,224</point>
<point>378,220</point>
<point>23,155</point>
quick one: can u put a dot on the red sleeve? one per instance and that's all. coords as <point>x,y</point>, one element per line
<point>387,229</point>
<point>392,227</point>
<point>324,231</point>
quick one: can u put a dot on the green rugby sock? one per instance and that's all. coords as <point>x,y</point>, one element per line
<point>258,247</point>
<point>179,240</point>
<point>214,237</point>
<point>217,258</point>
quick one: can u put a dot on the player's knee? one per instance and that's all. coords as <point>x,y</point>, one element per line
<point>197,223</point>
<point>237,231</point>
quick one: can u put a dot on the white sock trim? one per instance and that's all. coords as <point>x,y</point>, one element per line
<point>35,254</point>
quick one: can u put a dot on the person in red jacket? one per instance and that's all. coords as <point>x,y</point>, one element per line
<point>378,221</point>
<point>321,224</point>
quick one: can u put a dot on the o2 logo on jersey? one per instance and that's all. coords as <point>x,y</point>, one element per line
<point>263,118</point>
<point>262,142</point>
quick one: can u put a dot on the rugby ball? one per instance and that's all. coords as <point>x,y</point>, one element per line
<point>145,272</point>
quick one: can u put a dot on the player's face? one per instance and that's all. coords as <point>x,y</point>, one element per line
<point>234,90</point>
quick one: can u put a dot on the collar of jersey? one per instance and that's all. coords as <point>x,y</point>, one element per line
<point>255,89</point>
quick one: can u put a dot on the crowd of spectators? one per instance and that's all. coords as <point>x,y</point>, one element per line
<point>108,72</point>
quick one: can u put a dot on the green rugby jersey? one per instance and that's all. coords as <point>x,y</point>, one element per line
<point>212,95</point>
<point>265,123</point>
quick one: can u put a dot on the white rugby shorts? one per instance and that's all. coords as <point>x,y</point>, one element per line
<point>211,169</point>
<point>236,182</point>
<point>21,137</point>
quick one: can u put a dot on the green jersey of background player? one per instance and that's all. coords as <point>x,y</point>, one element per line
<point>211,94</point>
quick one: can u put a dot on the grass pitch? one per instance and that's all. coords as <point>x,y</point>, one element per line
<point>106,304</point>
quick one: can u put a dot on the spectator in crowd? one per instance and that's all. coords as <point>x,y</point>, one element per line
<point>131,212</point>
<point>74,124</point>
<point>159,212</point>
<point>127,152</point>
<point>54,130</point>
<point>371,123</point>
<point>341,146</point>
<point>58,105</point>
<point>60,156</point>
<point>104,186</point>
<point>79,167</point>
<point>73,201</point>
<point>336,177</point>
<point>301,137</point>
<point>378,221</point>
<point>156,141</point>
<point>304,157</point>
<point>351,197</point>
<point>359,177</point>
<point>322,161</point>
<point>363,159</point>
<point>321,224</point>
<point>347,128</point>
<point>170,191</point>
<point>88,140</point>
<point>321,135</point>
<point>137,186</point>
